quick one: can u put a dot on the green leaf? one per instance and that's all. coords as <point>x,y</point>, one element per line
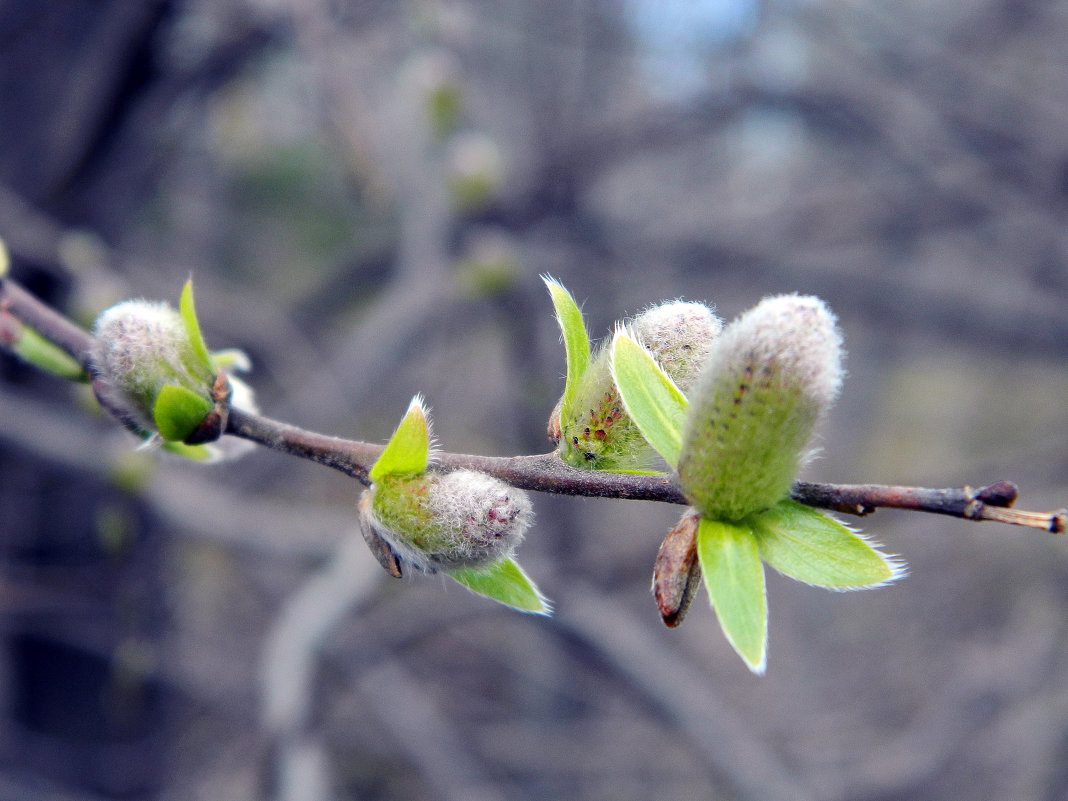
<point>408,450</point>
<point>5,260</point>
<point>809,546</point>
<point>576,341</point>
<point>192,328</point>
<point>46,355</point>
<point>196,453</point>
<point>178,412</point>
<point>655,404</point>
<point>231,358</point>
<point>734,578</point>
<point>506,583</point>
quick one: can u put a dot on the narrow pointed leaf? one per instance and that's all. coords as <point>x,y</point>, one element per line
<point>506,583</point>
<point>734,578</point>
<point>234,358</point>
<point>809,546</point>
<point>655,404</point>
<point>196,453</point>
<point>408,450</point>
<point>192,327</point>
<point>45,355</point>
<point>576,340</point>
<point>178,412</point>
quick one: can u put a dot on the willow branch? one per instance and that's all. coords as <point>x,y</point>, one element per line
<point>546,472</point>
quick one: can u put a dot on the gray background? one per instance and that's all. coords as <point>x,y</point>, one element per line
<point>176,632</point>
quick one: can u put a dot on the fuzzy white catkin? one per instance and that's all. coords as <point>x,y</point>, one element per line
<point>769,378</point>
<point>599,434</point>
<point>679,334</point>
<point>453,520</point>
<point>139,347</point>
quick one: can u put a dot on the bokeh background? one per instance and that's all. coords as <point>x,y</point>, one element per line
<point>365,194</point>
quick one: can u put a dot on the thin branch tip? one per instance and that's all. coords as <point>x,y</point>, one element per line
<point>994,501</point>
<point>1053,522</point>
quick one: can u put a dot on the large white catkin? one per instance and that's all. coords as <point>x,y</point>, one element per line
<point>769,378</point>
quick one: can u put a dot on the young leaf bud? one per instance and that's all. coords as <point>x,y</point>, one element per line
<point>434,77</point>
<point>769,377</point>
<point>553,428</point>
<point>140,348</point>
<point>677,571</point>
<point>599,434</point>
<point>447,521</point>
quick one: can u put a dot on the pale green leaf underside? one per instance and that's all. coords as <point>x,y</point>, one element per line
<point>408,450</point>
<point>809,546</point>
<point>506,583</point>
<point>192,328</point>
<point>653,401</point>
<point>734,578</point>
<point>234,358</point>
<point>197,453</point>
<point>576,341</point>
<point>178,412</point>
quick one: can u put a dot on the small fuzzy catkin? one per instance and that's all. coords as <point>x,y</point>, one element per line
<point>140,347</point>
<point>599,434</point>
<point>679,334</point>
<point>442,521</point>
<point>769,378</point>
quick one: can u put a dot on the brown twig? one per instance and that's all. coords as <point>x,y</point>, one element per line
<point>545,472</point>
<point>986,503</point>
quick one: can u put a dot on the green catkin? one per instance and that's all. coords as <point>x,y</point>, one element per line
<point>599,434</point>
<point>139,349</point>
